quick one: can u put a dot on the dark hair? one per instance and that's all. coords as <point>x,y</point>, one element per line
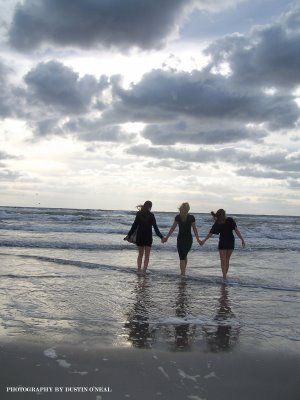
<point>146,207</point>
<point>219,216</point>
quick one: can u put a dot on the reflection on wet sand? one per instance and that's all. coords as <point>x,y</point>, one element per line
<point>137,324</point>
<point>224,336</point>
<point>183,332</point>
<point>179,334</point>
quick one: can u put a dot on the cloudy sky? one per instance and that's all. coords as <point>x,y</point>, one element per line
<point>105,104</point>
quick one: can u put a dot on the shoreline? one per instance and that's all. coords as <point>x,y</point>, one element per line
<point>136,374</point>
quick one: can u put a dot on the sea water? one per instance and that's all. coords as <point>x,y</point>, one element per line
<point>67,276</point>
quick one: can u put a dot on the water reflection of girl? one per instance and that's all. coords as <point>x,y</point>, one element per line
<point>139,332</point>
<point>183,332</point>
<point>225,335</point>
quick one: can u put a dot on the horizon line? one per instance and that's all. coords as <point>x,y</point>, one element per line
<point>156,211</point>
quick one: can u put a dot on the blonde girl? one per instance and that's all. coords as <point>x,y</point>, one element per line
<point>186,222</point>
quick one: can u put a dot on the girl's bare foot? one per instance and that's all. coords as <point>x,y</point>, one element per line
<point>144,271</point>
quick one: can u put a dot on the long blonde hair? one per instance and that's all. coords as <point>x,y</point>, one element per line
<point>183,211</point>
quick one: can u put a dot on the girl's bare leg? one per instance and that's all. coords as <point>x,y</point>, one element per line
<point>182,267</point>
<point>140,257</point>
<point>228,255</point>
<point>223,262</point>
<point>147,256</point>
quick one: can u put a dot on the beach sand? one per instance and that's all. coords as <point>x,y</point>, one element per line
<point>146,374</point>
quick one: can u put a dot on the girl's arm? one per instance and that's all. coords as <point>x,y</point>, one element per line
<point>172,229</point>
<point>214,231</point>
<point>157,231</point>
<point>240,236</point>
<point>209,235</point>
<point>196,232</point>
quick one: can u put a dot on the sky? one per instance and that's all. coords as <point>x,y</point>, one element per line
<point>107,104</point>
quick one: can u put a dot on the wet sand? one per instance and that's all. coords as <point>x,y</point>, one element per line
<point>146,374</point>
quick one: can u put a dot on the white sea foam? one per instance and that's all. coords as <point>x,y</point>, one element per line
<point>82,373</point>
<point>210,375</point>
<point>195,397</point>
<point>161,369</point>
<point>63,363</point>
<point>51,353</point>
<point>184,375</point>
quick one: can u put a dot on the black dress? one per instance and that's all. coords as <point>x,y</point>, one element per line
<point>184,238</point>
<point>226,239</point>
<point>143,223</point>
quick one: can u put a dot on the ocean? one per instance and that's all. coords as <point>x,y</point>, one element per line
<point>68,276</point>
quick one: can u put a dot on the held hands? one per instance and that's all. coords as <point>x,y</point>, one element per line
<point>164,239</point>
<point>201,242</point>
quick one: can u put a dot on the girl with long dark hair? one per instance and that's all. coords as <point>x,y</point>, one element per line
<point>186,222</point>
<point>224,227</point>
<point>142,225</point>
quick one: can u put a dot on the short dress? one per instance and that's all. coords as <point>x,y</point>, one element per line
<point>226,238</point>
<point>143,223</point>
<point>184,238</point>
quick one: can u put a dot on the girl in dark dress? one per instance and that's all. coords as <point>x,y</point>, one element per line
<point>224,226</point>
<point>143,223</point>
<point>185,221</point>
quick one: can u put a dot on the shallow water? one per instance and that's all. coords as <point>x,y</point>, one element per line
<point>68,276</point>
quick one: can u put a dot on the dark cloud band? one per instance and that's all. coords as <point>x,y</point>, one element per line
<point>280,161</point>
<point>82,23</point>
<point>56,85</point>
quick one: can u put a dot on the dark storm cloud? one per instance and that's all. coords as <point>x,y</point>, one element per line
<point>280,161</point>
<point>182,132</point>
<point>46,127</point>
<point>82,23</point>
<point>234,19</point>
<point>56,93</point>
<point>165,95</point>
<point>11,101</point>
<point>85,129</point>
<point>92,129</point>
<point>196,156</point>
<point>10,95</point>
<point>54,85</point>
<point>221,106</point>
<point>200,107</point>
<point>4,71</point>
<point>269,56</point>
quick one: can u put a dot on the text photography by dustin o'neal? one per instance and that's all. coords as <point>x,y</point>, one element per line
<point>58,389</point>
